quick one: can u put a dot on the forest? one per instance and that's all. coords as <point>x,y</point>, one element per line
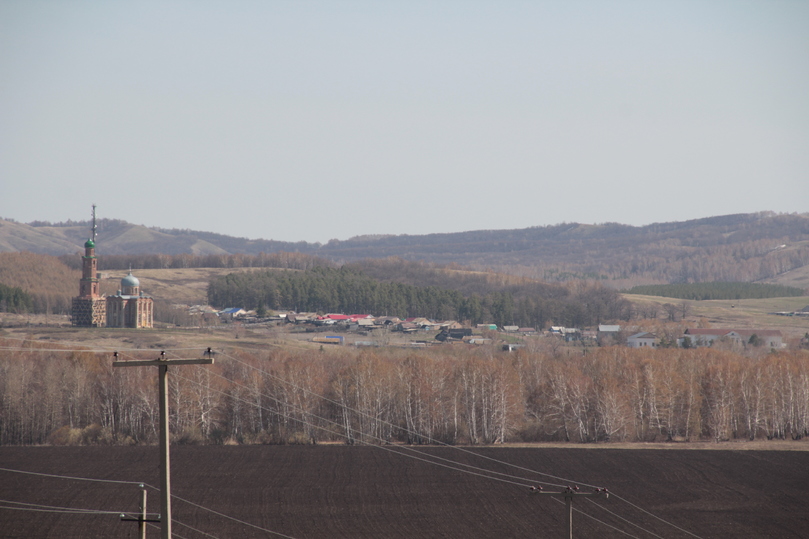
<point>349,290</point>
<point>451,394</point>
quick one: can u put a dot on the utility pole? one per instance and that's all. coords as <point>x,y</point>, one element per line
<point>568,494</point>
<point>141,518</point>
<point>163,363</point>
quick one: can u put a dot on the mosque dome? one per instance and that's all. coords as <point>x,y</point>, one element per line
<point>89,244</point>
<point>130,281</point>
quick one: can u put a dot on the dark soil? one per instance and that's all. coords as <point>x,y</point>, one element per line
<point>359,492</point>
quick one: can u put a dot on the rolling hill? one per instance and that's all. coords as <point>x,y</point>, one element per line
<point>764,247</point>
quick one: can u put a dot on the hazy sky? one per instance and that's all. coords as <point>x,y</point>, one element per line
<point>317,120</point>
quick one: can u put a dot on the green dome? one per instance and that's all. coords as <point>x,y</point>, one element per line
<point>90,244</point>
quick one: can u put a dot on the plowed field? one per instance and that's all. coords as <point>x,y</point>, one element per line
<point>363,492</point>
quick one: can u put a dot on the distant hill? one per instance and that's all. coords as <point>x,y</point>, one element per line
<point>744,247</point>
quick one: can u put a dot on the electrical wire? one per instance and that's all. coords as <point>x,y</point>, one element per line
<point>56,509</point>
<point>387,448</point>
<point>175,521</point>
<point>430,439</point>
<point>616,515</point>
<point>139,483</point>
<point>579,511</point>
<point>427,460</point>
<point>438,442</point>
<point>234,519</point>
<point>173,533</point>
<point>358,412</point>
<point>655,516</point>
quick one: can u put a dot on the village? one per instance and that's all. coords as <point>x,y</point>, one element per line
<point>367,330</point>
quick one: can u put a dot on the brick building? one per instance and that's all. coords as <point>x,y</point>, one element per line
<point>89,307</point>
<point>129,308</point>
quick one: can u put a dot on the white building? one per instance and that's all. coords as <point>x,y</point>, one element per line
<point>642,340</point>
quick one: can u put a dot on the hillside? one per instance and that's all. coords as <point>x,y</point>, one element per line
<point>744,247</point>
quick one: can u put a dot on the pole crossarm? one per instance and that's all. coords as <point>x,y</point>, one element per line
<point>139,518</point>
<point>164,361</point>
<point>571,492</point>
<point>159,362</point>
<point>165,462</point>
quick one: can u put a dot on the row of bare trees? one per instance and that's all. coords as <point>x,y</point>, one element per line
<point>453,395</point>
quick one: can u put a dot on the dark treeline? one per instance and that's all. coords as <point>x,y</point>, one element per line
<point>13,299</point>
<point>453,395</point>
<point>349,290</point>
<point>706,291</point>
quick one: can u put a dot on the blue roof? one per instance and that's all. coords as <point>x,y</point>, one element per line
<point>232,310</point>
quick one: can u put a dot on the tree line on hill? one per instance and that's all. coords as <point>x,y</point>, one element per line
<point>708,291</point>
<point>454,395</point>
<point>744,248</point>
<point>349,290</point>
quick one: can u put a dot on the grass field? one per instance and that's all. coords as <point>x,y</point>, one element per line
<point>746,313</point>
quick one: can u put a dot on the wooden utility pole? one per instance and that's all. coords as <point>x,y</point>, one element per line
<point>165,473</point>
<point>141,518</point>
<point>568,494</point>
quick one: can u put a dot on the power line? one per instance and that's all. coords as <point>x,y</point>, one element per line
<point>385,447</point>
<point>232,518</point>
<point>655,516</point>
<point>366,435</point>
<point>616,515</point>
<point>56,509</point>
<point>139,483</point>
<point>430,439</point>
<point>395,449</point>
<point>357,412</point>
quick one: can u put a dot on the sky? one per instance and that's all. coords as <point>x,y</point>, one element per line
<point>314,120</point>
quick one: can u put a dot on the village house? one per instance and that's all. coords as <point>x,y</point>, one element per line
<point>771,338</point>
<point>642,340</point>
<point>608,334</point>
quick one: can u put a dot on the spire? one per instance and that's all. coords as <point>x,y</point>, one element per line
<point>93,230</point>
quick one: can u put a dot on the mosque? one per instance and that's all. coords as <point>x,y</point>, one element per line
<point>129,308</point>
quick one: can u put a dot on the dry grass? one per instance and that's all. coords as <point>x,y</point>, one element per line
<point>187,286</point>
<point>746,313</point>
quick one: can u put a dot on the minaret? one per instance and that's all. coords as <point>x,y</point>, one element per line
<point>88,286</point>
<point>89,308</point>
